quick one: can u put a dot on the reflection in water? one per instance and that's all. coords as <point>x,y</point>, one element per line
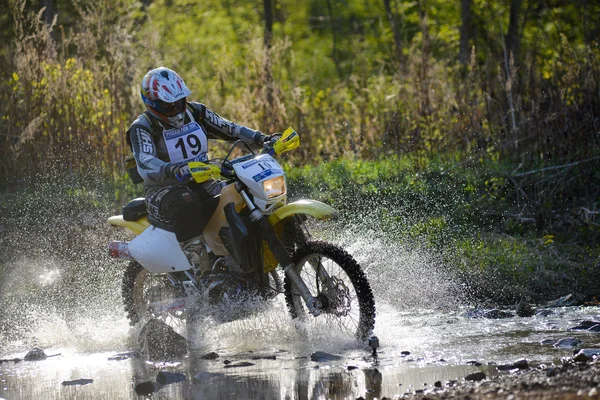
<point>440,344</point>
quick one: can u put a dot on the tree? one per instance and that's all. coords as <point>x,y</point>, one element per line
<point>268,9</point>
<point>466,30</point>
<point>395,32</point>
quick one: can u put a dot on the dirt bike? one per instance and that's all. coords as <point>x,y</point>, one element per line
<point>251,232</point>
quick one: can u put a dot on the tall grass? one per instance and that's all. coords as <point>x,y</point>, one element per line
<point>68,95</point>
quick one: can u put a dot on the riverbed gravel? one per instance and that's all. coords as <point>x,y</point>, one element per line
<point>571,380</point>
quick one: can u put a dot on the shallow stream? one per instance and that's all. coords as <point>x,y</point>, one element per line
<point>442,347</point>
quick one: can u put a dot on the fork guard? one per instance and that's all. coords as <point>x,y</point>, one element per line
<point>312,208</point>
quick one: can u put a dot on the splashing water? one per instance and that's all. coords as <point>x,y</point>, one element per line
<point>60,291</point>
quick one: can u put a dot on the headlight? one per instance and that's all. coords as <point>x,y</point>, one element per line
<point>274,187</point>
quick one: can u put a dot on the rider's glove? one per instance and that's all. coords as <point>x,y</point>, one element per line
<point>182,173</point>
<point>262,139</point>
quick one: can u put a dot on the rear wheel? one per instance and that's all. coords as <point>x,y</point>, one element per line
<point>147,295</point>
<point>340,286</point>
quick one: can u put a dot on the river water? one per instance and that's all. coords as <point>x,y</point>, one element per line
<point>65,298</point>
<point>442,345</point>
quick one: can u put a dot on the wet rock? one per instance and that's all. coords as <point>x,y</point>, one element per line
<point>474,363</point>
<point>240,364</point>
<point>477,376</point>
<point>166,378</point>
<point>321,356</point>
<point>543,313</point>
<point>15,360</point>
<point>210,356</point>
<point>161,342</point>
<point>584,326</point>
<point>147,388</point>
<point>497,314</point>
<point>264,357</point>
<point>524,309</point>
<point>521,364</point>
<point>589,352</point>
<point>124,356</point>
<point>351,367</point>
<point>82,381</point>
<point>493,313</point>
<point>517,365</point>
<point>35,354</point>
<point>568,343</point>
<point>203,375</point>
<point>581,357</point>
<point>574,299</point>
<point>595,328</point>
<point>438,384</point>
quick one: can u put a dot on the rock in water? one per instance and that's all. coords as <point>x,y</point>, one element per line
<point>584,326</point>
<point>239,364</point>
<point>210,356</point>
<point>497,314</point>
<point>595,328</point>
<point>82,381</point>
<point>161,342</point>
<point>568,343</point>
<point>477,376</point>
<point>524,309</point>
<point>543,313</point>
<point>568,301</point>
<point>321,356</point>
<point>147,388</point>
<point>165,378</point>
<point>35,354</point>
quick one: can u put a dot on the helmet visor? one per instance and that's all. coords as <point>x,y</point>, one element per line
<point>170,109</point>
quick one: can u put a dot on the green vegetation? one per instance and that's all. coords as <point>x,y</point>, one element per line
<point>469,218</point>
<point>475,124</point>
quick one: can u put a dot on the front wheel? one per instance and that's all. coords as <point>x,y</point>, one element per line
<point>341,288</point>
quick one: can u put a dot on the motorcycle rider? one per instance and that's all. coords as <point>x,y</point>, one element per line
<point>168,135</point>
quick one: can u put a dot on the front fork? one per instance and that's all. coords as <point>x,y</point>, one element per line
<point>283,257</point>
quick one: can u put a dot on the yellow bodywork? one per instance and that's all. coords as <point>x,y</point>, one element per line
<point>136,226</point>
<point>312,208</point>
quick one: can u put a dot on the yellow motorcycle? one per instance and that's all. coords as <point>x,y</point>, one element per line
<point>252,232</point>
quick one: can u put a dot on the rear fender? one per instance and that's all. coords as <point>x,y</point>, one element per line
<point>136,226</point>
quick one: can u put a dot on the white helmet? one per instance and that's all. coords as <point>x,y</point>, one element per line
<point>164,93</point>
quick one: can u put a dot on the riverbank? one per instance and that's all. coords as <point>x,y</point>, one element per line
<point>572,380</point>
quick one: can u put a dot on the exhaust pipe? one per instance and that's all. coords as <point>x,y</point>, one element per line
<point>120,250</point>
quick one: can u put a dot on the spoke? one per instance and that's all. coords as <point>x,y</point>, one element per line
<point>325,277</point>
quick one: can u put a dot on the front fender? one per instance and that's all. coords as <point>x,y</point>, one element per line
<point>312,208</point>
<point>136,226</point>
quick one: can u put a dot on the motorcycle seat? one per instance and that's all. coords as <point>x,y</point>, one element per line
<point>135,209</point>
<point>208,207</point>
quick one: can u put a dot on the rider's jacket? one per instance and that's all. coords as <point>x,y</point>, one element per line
<point>159,148</point>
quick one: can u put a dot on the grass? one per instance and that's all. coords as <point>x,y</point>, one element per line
<point>469,218</point>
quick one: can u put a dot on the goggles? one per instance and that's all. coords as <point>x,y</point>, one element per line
<point>169,109</point>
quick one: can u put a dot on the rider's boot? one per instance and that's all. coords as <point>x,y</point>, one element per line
<point>194,251</point>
